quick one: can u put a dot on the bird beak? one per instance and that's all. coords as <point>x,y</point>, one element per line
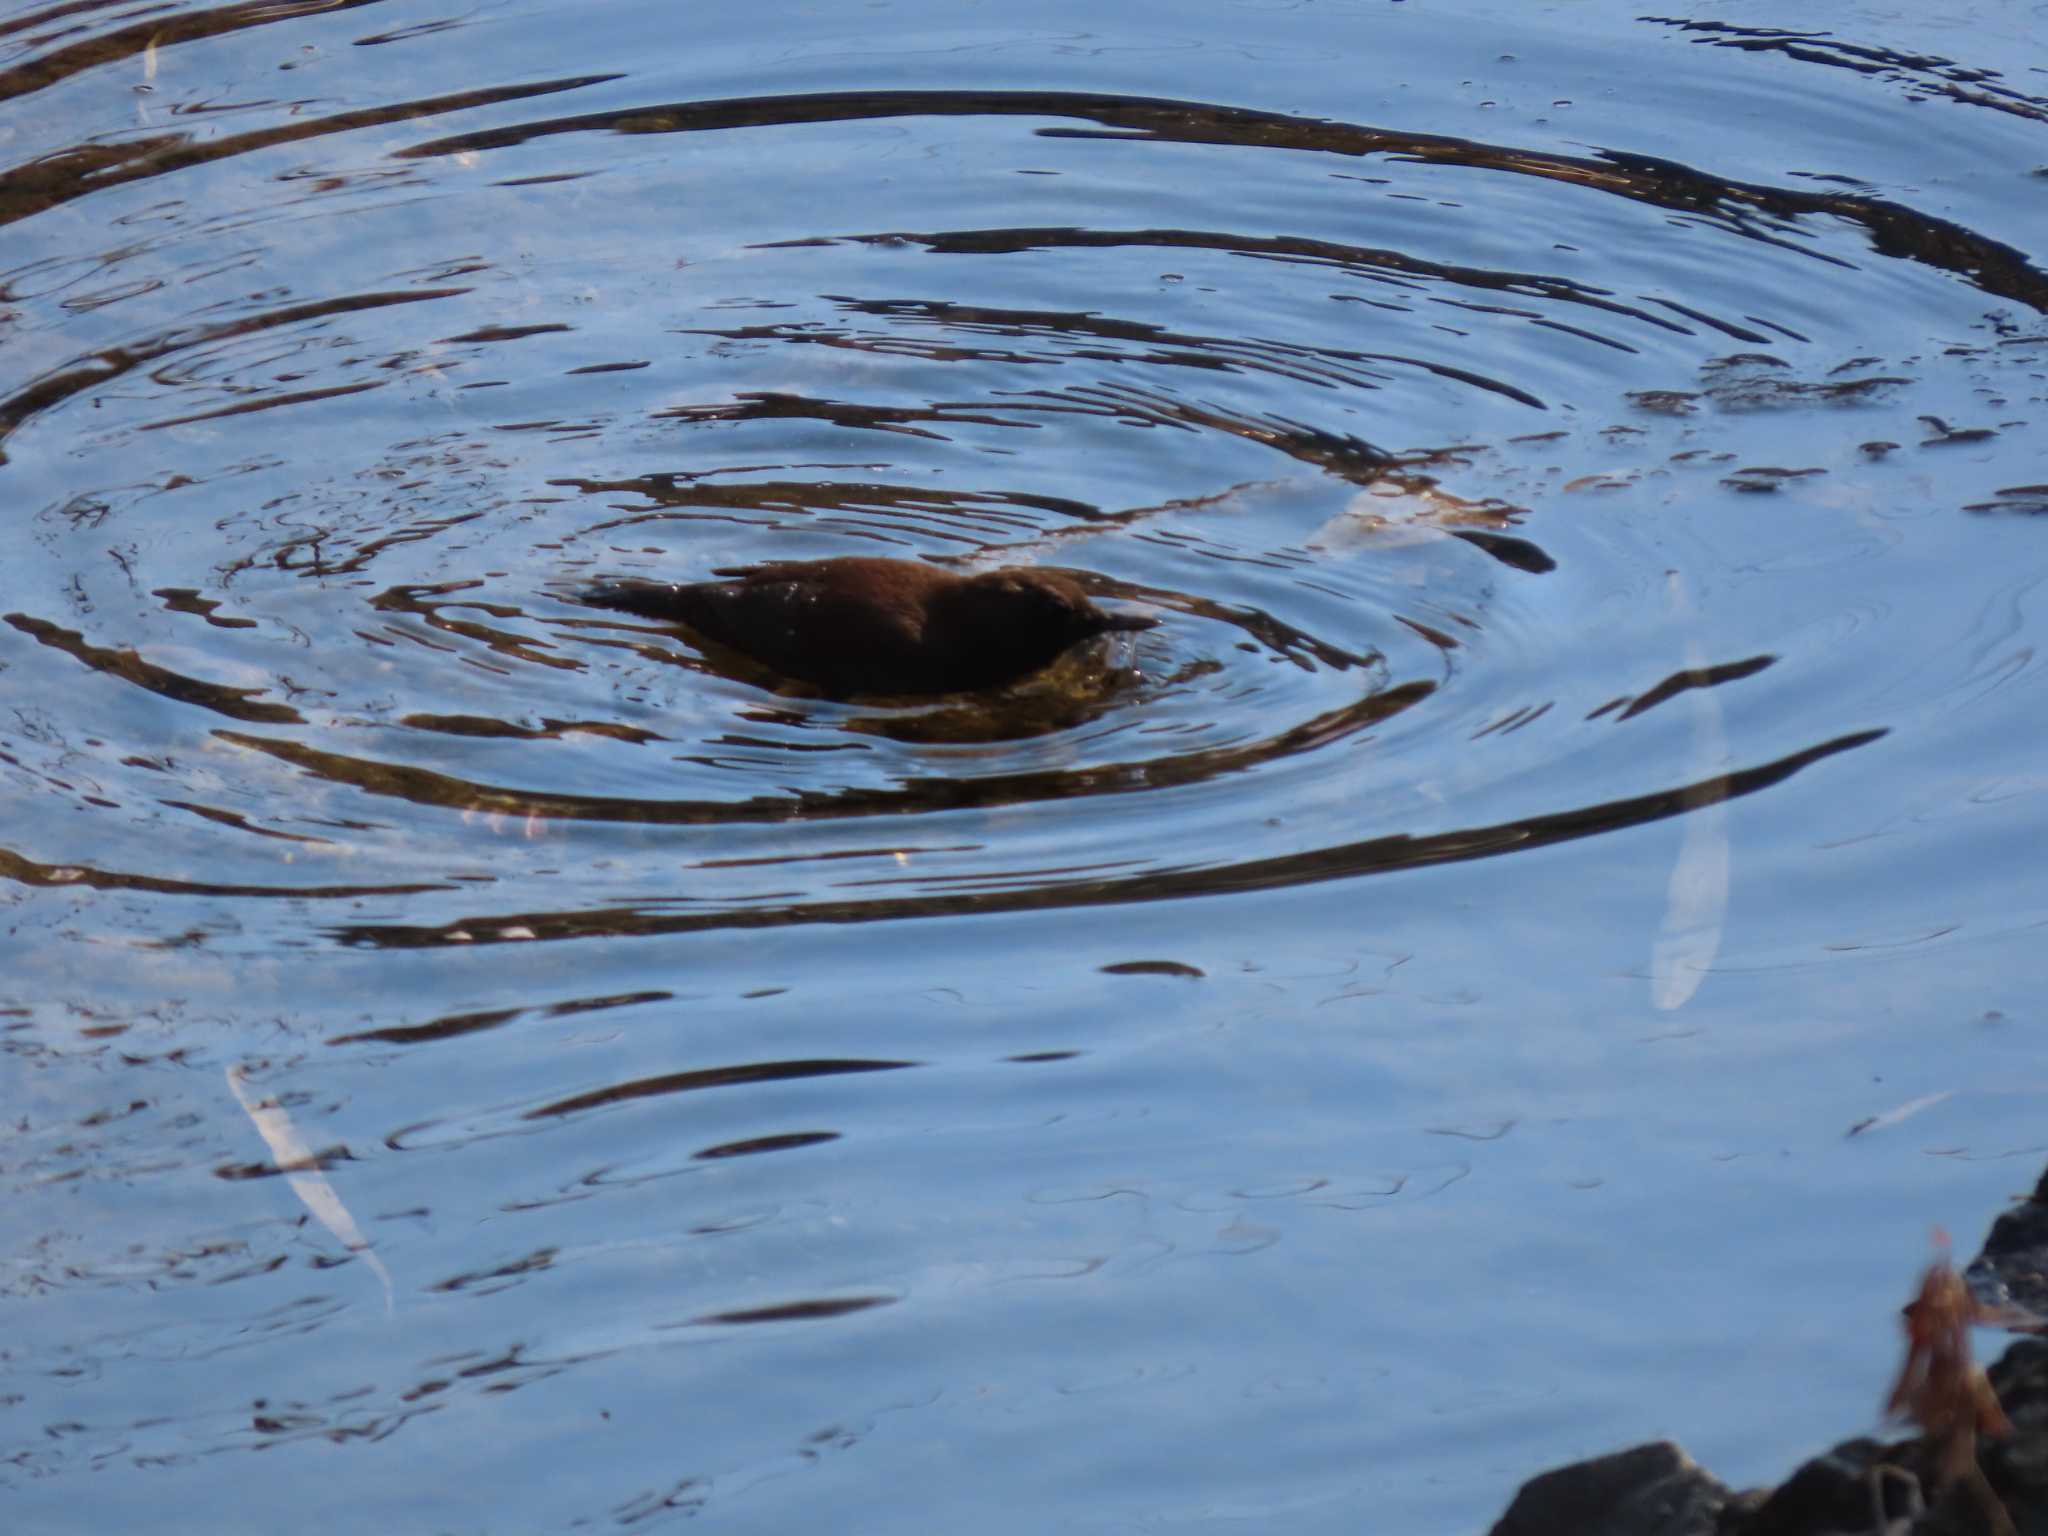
<point>1130,621</point>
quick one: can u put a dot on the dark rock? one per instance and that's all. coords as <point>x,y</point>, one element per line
<point>1863,1487</point>
<point>2011,1272</point>
<point>864,625</point>
<point>1845,1490</point>
<point>1651,1490</point>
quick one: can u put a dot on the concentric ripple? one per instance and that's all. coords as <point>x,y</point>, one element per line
<point>1310,437</point>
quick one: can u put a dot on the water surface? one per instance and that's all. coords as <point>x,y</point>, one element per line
<point>1392,1027</point>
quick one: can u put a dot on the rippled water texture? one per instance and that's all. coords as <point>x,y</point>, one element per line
<point>1395,1025</point>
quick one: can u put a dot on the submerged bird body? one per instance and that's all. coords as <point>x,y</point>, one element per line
<point>860,624</point>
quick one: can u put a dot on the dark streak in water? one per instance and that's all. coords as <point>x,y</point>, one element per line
<point>58,178</point>
<point>1894,230</point>
<point>455,1026</point>
<point>1695,677</point>
<point>1378,855</point>
<point>163,27</point>
<point>235,703</point>
<point>788,1141</point>
<point>262,403</point>
<point>1924,74</point>
<point>490,333</point>
<point>452,1027</point>
<point>31,872</point>
<point>189,600</point>
<point>799,1311</point>
<point>973,508</point>
<point>708,1077</point>
<point>1518,553</point>
<point>241,823</point>
<point>424,786</point>
<point>102,368</point>
<point>1002,242</point>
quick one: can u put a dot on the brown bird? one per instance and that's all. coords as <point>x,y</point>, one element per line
<point>860,624</point>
